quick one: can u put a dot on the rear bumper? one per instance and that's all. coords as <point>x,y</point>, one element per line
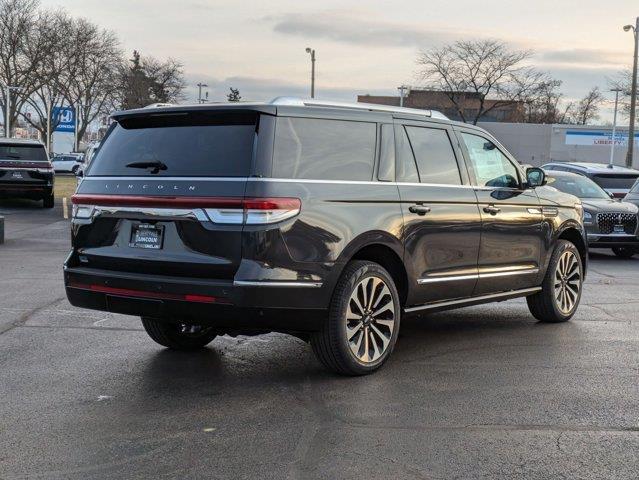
<point>229,306</point>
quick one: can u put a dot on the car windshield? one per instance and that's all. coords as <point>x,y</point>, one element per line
<point>578,186</point>
<point>23,153</point>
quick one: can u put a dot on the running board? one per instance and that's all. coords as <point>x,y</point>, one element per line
<point>467,302</point>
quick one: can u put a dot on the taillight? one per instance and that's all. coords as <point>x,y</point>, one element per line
<point>223,210</point>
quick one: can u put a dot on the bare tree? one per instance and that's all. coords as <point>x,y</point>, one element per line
<point>146,80</point>
<point>588,107</point>
<point>623,81</point>
<point>91,83</point>
<point>482,68</point>
<point>24,48</point>
<point>545,106</point>
<point>51,73</point>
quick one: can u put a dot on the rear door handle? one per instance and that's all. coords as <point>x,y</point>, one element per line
<point>492,210</point>
<point>419,209</point>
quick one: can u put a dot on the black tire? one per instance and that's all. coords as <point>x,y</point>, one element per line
<point>545,305</point>
<point>75,169</point>
<point>331,345</point>
<point>624,252</point>
<point>175,335</point>
<point>48,201</point>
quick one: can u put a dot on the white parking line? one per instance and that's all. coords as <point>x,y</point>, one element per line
<point>65,210</point>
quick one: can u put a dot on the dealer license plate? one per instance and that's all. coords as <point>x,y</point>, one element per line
<point>145,235</point>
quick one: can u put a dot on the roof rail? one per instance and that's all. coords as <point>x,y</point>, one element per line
<point>298,102</point>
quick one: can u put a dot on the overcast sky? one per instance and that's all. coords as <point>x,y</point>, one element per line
<point>362,46</point>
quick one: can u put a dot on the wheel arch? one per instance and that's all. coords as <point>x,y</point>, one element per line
<point>383,249</point>
<point>574,234</point>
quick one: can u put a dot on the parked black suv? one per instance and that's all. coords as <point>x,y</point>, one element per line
<point>25,171</point>
<point>329,222</point>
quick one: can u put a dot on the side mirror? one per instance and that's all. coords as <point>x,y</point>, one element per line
<point>535,177</point>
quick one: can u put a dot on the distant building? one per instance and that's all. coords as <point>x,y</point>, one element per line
<point>437,100</point>
<point>536,144</point>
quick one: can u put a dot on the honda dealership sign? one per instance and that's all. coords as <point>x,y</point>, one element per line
<point>593,138</point>
<point>64,117</point>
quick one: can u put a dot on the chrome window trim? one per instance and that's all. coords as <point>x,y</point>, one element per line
<point>480,275</point>
<point>269,283</point>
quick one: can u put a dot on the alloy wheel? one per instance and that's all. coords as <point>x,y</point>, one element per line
<point>370,319</point>
<point>567,282</point>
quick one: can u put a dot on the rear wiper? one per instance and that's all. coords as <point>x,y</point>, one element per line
<point>154,166</point>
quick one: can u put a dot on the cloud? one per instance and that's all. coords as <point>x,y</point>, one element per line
<point>265,89</point>
<point>584,56</point>
<point>348,27</point>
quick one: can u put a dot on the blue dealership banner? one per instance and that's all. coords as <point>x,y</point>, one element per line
<point>597,138</point>
<point>64,119</point>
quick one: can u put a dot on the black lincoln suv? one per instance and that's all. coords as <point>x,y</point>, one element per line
<point>25,171</point>
<point>326,221</point>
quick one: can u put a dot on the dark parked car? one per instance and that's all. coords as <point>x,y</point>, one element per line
<point>329,222</point>
<point>614,179</point>
<point>25,171</point>
<point>609,223</point>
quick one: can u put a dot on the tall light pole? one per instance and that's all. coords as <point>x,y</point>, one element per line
<point>199,93</point>
<point>312,53</point>
<point>402,89</point>
<point>7,115</point>
<point>77,112</point>
<point>614,125</point>
<point>633,94</point>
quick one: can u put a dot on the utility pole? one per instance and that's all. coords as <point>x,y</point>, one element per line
<point>199,93</point>
<point>312,52</point>
<point>76,115</point>
<point>633,94</point>
<point>402,89</point>
<point>7,115</point>
<point>48,142</point>
<point>614,126</point>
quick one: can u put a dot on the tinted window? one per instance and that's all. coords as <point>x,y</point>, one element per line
<point>615,181</point>
<point>188,144</point>
<point>387,154</point>
<point>24,153</point>
<point>491,167</point>
<point>324,149</point>
<point>406,168</point>
<point>434,154</point>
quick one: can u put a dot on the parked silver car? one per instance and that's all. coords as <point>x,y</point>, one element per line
<point>609,223</point>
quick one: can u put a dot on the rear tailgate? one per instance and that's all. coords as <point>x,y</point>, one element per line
<point>164,195</point>
<point>24,165</point>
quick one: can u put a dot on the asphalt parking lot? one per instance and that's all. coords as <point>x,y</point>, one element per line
<point>482,392</point>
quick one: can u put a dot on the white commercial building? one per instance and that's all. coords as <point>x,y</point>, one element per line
<point>537,144</point>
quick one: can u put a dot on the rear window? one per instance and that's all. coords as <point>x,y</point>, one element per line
<point>318,149</point>
<point>208,144</point>
<point>615,181</point>
<point>435,156</point>
<point>23,153</point>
